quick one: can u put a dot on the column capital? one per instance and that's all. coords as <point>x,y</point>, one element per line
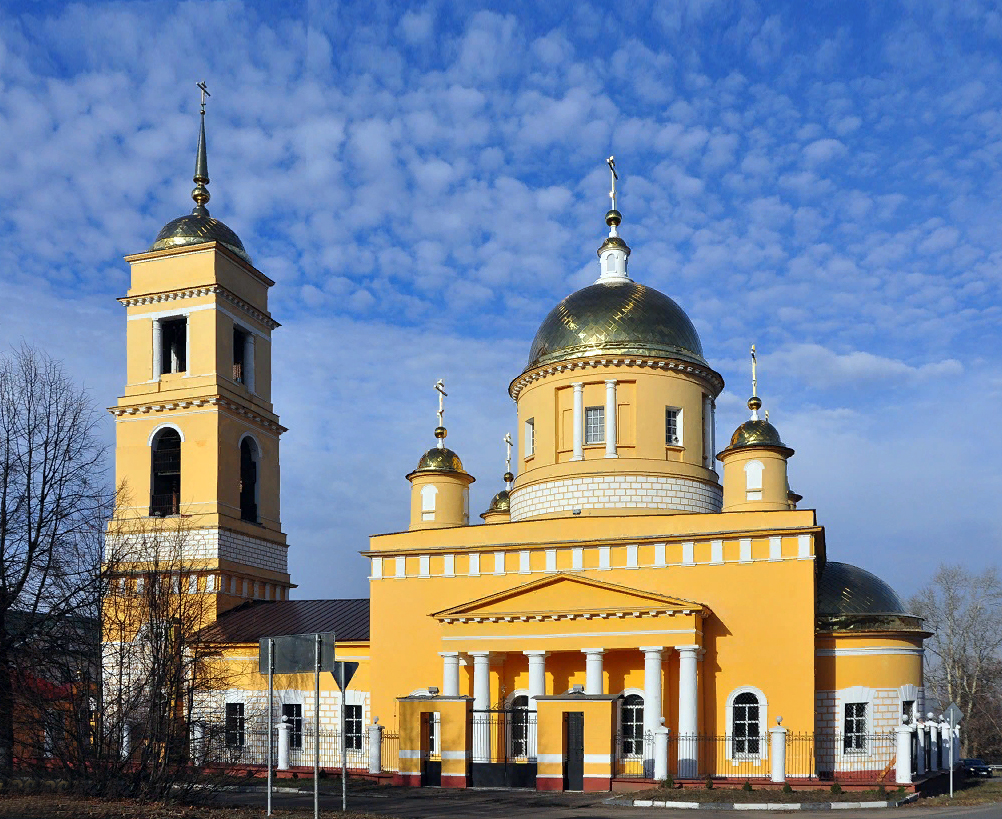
<point>449,654</point>
<point>478,655</point>
<point>611,382</point>
<point>578,386</point>
<point>648,649</point>
<point>699,652</point>
<point>593,651</point>
<point>536,653</point>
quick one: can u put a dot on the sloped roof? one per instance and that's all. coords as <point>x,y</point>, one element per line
<point>248,623</point>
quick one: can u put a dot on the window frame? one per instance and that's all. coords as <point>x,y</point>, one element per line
<point>637,722</point>
<point>234,726</point>
<point>854,740</point>
<point>295,723</point>
<point>529,437</point>
<point>763,723</point>
<point>591,429</point>
<point>519,735</point>
<point>352,729</point>
<point>172,363</point>
<point>752,727</point>
<point>161,475</point>
<point>679,439</point>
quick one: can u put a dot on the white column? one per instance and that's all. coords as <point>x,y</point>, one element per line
<point>376,747</point>
<point>610,418</point>
<point>158,349</point>
<point>450,673</point>
<point>578,421</point>
<point>283,744</point>
<point>481,702</point>
<point>707,443</point>
<point>249,362</point>
<point>903,763</point>
<point>922,738</point>
<point>652,703</point>
<point>537,676</point>
<point>688,726</point>
<point>777,748</point>
<point>933,744</point>
<point>593,670</point>
<point>713,435</point>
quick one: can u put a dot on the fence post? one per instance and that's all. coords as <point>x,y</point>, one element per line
<point>933,744</point>
<point>126,740</point>
<point>284,729</point>
<point>946,745</point>
<point>778,743</point>
<point>956,745</point>
<point>903,764</point>
<point>197,743</point>
<point>920,754</point>
<point>661,752</point>
<point>375,747</point>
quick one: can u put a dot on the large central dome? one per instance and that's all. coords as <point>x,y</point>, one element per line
<point>618,317</point>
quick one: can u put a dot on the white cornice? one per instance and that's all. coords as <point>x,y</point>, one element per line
<point>705,374</point>
<point>570,615</point>
<point>198,292</point>
<point>195,403</point>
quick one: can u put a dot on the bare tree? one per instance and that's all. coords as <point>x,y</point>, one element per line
<point>53,498</point>
<point>963,609</point>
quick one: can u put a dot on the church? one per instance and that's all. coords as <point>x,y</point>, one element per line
<point>630,580</point>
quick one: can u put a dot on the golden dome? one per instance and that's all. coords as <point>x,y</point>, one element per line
<point>501,502</point>
<point>757,433</point>
<point>617,317</point>
<point>440,459</point>
<point>196,228</point>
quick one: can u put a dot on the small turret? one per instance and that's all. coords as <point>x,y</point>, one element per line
<point>500,509</point>
<point>755,469</point>
<point>440,487</point>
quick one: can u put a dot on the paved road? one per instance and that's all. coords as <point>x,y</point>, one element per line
<point>430,803</point>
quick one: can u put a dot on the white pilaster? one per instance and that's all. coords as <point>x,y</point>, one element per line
<point>593,670</point>
<point>158,349</point>
<point>688,722</point>
<point>450,673</point>
<point>903,761</point>
<point>537,676</point>
<point>578,421</point>
<point>481,702</point>
<point>610,418</point>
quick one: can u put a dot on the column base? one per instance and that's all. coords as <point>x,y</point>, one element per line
<point>593,784</point>
<point>549,782</point>
<point>454,780</point>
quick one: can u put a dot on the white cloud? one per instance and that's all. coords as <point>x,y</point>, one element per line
<point>821,368</point>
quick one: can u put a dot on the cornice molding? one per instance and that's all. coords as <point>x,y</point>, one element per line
<point>197,403</point>
<point>198,292</point>
<point>704,374</point>
<point>597,614</point>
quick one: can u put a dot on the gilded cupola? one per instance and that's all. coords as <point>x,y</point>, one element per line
<point>198,226</point>
<point>755,469</point>
<point>499,510</point>
<point>440,487</point>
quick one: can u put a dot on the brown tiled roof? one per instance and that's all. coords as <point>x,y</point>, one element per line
<point>249,622</point>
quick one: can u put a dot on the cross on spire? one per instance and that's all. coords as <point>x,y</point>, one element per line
<point>754,403</point>
<point>205,93</point>
<point>754,379</point>
<point>611,162</point>
<point>440,389</point>
<point>507,461</point>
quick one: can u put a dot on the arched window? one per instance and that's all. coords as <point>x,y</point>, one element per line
<point>165,490</point>
<point>248,479</point>
<point>519,732</point>
<point>753,480</point>
<point>428,494</point>
<point>746,725</point>
<point>631,722</point>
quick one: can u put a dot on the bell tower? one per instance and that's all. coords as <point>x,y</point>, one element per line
<point>197,437</point>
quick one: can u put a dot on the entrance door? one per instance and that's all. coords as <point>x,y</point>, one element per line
<point>431,760</point>
<point>574,751</point>
<point>504,747</point>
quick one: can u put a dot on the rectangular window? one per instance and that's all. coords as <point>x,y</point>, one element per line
<point>530,437</point>
<point>234,725</point>
<point>353,727</point>
<point>173,345</point>
<point>239,355</point>
<point>673,426</point>
<point>594,425</point>
<point>855,728</point>
<point>294,711</point>
<point>907,706</point>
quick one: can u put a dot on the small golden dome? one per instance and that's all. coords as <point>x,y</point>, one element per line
<point>757,433</point>
<point>440,459</point>
<point>615,318</point>
<point>196,228</point>
<point>499,503</point>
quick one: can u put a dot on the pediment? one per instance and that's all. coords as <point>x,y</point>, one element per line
<point>568,594</point>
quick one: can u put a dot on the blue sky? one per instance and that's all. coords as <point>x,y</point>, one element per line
<point>424,182</point>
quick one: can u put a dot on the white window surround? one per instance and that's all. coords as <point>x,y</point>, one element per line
<point>523,562</point>
<point>424,566</point>
<point>428,495</point>
<point>551,560</point>
<point>529,437</point>
<point>844,696</point>
<point>660,555</point>
<point>632,556</point>
<point>499,563</point>
<point>626,692</point>
<point>753,480</point>
<point>604,557</point>
<point>518,692</point>
<point>909,693</point>
<point>474,569</point>
<point>763,723</point>
<point>679,436</point>
<point>594,425</point>
<point>160,428</point>
<point>577,558</point>
<point>377,567</point>
<point>449,565</point>
<point>401,568</point>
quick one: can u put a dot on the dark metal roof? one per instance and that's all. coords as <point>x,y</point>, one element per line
<point>248,623</point>
<point>846,589</point>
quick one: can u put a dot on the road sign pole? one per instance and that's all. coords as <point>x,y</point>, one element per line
<point>953,738</point>
<point>271,705</point>
<point>344,758</point>
<point>316,735</point>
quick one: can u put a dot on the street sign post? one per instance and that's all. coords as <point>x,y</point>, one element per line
<point>343,672</point>
<point>953,713</point>
<point>299,654</point>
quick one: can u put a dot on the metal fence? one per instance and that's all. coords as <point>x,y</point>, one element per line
<point>249,746</point>
<point>825,757</point>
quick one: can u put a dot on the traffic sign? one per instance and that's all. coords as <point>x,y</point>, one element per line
<point>343,672</point>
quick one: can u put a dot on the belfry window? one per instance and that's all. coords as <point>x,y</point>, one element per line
<point>746,725</point>
<point>248,480</point>
<point>239,355</point>
<point>673,426</point>
<point>594,425</point>
<point>173,345</point>
<point>165,495</point>
<point>631,724</point>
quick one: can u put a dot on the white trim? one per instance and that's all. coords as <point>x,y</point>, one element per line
<point>598,759</point>
<point>453,754</point>
<point>160,427</point>
<point>409,754</point>
<point>868,651</point>
<point>763,724</point>
<point>549,759</point>
<point>518,692</point>
<point>377,568</point>
<point>257,444</point>
<point>525,637</point>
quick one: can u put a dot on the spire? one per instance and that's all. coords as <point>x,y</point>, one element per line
<point>201,177</point>
<point>754,403</point>
<point>440,431</point>
<point>614,251</point>
<point>508,477</point>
